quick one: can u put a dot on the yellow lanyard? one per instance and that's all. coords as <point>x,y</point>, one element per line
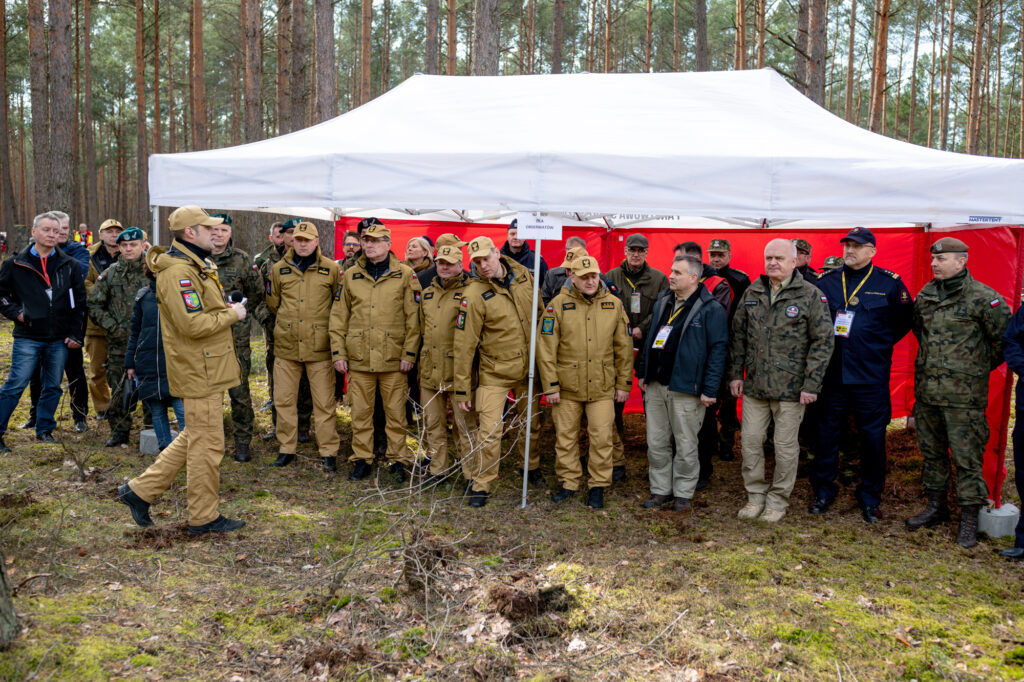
<point>673,316</point>
<point>854,294</point>
<point>630,282</point>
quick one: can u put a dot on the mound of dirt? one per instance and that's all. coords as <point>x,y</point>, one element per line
<point>525,597</point>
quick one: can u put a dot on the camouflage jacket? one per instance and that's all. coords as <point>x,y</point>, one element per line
<point>960,342</point>
<point>783,346</point>
<point>262,264</point>
<point>112,298</point>
<point>236,273</point>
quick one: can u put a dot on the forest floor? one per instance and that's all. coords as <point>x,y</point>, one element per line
<point>338,580</point>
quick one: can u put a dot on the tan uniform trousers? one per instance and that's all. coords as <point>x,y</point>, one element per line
<point>435,419</point>
<point>756,415</point>
<point>566,415</point>
<point>287,375</point>
<point>490,406</point>
<point>198,448</point>
<point>394,388</point>
<point>96,349</point>
<point>618,450</point>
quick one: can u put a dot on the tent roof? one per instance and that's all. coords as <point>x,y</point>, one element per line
<point>739,145</point>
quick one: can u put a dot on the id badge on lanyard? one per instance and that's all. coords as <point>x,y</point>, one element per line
<point>634,303</point>
<point>662,337</point>
<point>843,324</point>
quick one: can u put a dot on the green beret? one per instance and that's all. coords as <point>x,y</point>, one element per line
<point>130,234</point>
<point>223,216</point>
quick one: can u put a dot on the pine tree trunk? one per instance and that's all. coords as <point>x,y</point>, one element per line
<point>39,88</point>
<point>299,64</point>
<point>816,42</point>
<point>385,53</point>
<point>848,107</point>
<point>200,138</point>
<point>92,211</point>
<point>557,36</point>
<point>740,44</point>
<point>702,58</point>
<point>284,66</point>
<point>649,38</point>
<point>326,65</point>
<point>8,617</point>
<point>947,80</point>
<point>451,27</point>
<point>141,188</point>
<point>608,36</point>
<point>485,38</point>
<point>62,122</point>
<point>803,20</point>
<point>760,8</point>
<point>430,49</point>
<point>172,119</point>
<point>365,41</point>
<point>879,67</point>
<point>913,74</point>
<point>156,80</point>
<point>675,35</point>
<point>9,212</point>
<point>974,94</point>
<point>252,77</point>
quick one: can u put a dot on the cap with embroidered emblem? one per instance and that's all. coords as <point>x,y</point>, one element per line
<point>949,245</point>
<point>719,246</point>
<point>130,234</point>
<point>110,223</point>
<point>306,230</point>
<point>860,235</point>
<point>448,239</point>
<point>481,246</point>
<point>226,217</point>
<point>584,265</point>
<point>802,245</point>
<point>573,254</point>
<point>187,216</point>
<point>449,254</point>
<point>377,231</point>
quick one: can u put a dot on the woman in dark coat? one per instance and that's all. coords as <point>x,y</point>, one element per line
<point>144,363</point>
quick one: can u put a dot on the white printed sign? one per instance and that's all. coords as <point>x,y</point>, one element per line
<point>537,225</point>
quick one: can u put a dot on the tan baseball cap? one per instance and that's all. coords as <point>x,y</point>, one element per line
<point>448,239</point>
<point>376,231</point>
<point>305,230</point>
<point>572,254</point>
<point>481,246</point>
<point>110,223</point>
<point>449,254</point>
<point>584,265</point>
<point>187,216</point>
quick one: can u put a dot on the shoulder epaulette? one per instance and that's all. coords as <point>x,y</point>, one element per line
<point>890,273</point>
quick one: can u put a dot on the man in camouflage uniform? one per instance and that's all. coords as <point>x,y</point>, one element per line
<point>782,340</point>
<point>110,304</point>
<point>959,324</point>
<point>235,272</point>
<point>102,255</point>
<point>263,263</point>
<point>803,260</point>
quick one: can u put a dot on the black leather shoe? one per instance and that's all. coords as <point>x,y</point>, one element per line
<point>303,436</point>
<point>871,514</point>
<point>703,483</point>
<point>1013,553</point>
<point>81,426</point>
<point>398,472</point>
<point>221,524</point>
<point>535,477</point>
<point>117,440</point>
<point>657,501</point>
<point>138,506</point>
<point>595,500</point>
<point>725,452</point>
<point>242,452</point>
<point>330,464</point>
<point>681,504</point>
<point>4,449</point>
<point>432,480</point>
<point>820,505</point>
<point>562,495</point>
<point>618,473</point>
<point>45,438</point>
<point>29,424</point>
<point>360,471</point>
<point>477,498</point>
<point>283,459</point>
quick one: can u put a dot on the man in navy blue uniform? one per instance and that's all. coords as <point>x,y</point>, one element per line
<point>871,311</point>
<point>1013,351</point>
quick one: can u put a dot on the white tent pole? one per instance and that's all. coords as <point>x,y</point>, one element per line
<point>156,225</point>
<point>529,375</point>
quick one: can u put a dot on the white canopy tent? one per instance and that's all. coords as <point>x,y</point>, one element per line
<point>737,145</point>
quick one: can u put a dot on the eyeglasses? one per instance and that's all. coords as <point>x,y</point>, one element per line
<point>636,249</point>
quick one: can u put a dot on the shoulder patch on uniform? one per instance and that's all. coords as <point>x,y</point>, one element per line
<point>890,273</point>
<point>460,320</point>
<point>465,303</point>
<point>550,309</point>
<point>547,326</point>
<point>995,302</point>
<point>904,296</point>
<point>416,295</point>
<point>753,302</point>
<point>285,271</point>
<point>824,299</point>
<point>568,306</point>
<point>457,296</point>
<point>607,305</point>
<point>323,271</point>
<point>268,286</point>
<point>184,283</point>
<point>792,311</point>
<point>487,294</point>
<point>357,275</point>
<point>192,302</point>
<point>429,295</point>
<point>256,266</point>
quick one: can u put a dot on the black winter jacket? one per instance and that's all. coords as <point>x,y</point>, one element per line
<point>145,350</point>
<point>23,291</point>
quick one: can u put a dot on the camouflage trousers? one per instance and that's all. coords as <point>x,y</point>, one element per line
<point>959,433</point>
<point>305,403</point>
<point>241,401</point>
<point>119,419</point>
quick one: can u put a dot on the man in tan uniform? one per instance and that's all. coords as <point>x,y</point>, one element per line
<point>201,365</point>
<point>492,340</point>
<point>375,337</point>
<point>101,256</point>
<point>303,285</point>
<point>585,358</point>
<point>439,309</point>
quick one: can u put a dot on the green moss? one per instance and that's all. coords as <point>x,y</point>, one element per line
<point>1015,657</point>
<point>143,660</point>
<point>410,644</point>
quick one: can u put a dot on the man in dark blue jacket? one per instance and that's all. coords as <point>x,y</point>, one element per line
<point>42,290</point>
<point>1013,351</point>
<point>680,370</point>
<point>871,310</point>
<point>519,251</point>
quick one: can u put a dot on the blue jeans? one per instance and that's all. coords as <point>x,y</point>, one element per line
<point>26,354</point>
<point>160,424</point>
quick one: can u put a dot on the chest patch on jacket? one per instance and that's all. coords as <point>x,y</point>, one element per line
<point>324,271</point>
<point>357,275</point>
<point>750,302</point>
<point>192,302</point>
<point>460,320</point>
<point>607,305</point>
<point>792,311</point>
<point>429,295</point>
<point>184,283</point>
<point>487,295</point>
<point>568,306</point>
<point>286,271</point>
<point>547,326</point>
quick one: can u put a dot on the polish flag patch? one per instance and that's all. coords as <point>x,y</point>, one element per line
<point>995,303</point>
<point>184,282</point>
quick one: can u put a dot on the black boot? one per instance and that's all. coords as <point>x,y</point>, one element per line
<point>968,536</point>
<point>535,477</point>
<point>283,459</point>
<point>934,513</point>
<point>117,440</point>
<point>242,452</point>
<point>618,473</point>
<point>303,436</point>
<point>562,495</point>
<point>138,506</point>
<point>725,452</point>
<point>330,464</point>
<point>398,472</point>
<point>360,471</point>
<point>596,499</point>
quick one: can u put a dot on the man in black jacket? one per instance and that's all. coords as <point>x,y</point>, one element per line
<point>42,290</point>
<point>518,250</point>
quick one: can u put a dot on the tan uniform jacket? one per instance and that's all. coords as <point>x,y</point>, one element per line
<point>439,308</point>
<point>375,324</point>
<point>195,324</point>
<point>492,331</point>
<point>583,349</point>
<point>302,302</point>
